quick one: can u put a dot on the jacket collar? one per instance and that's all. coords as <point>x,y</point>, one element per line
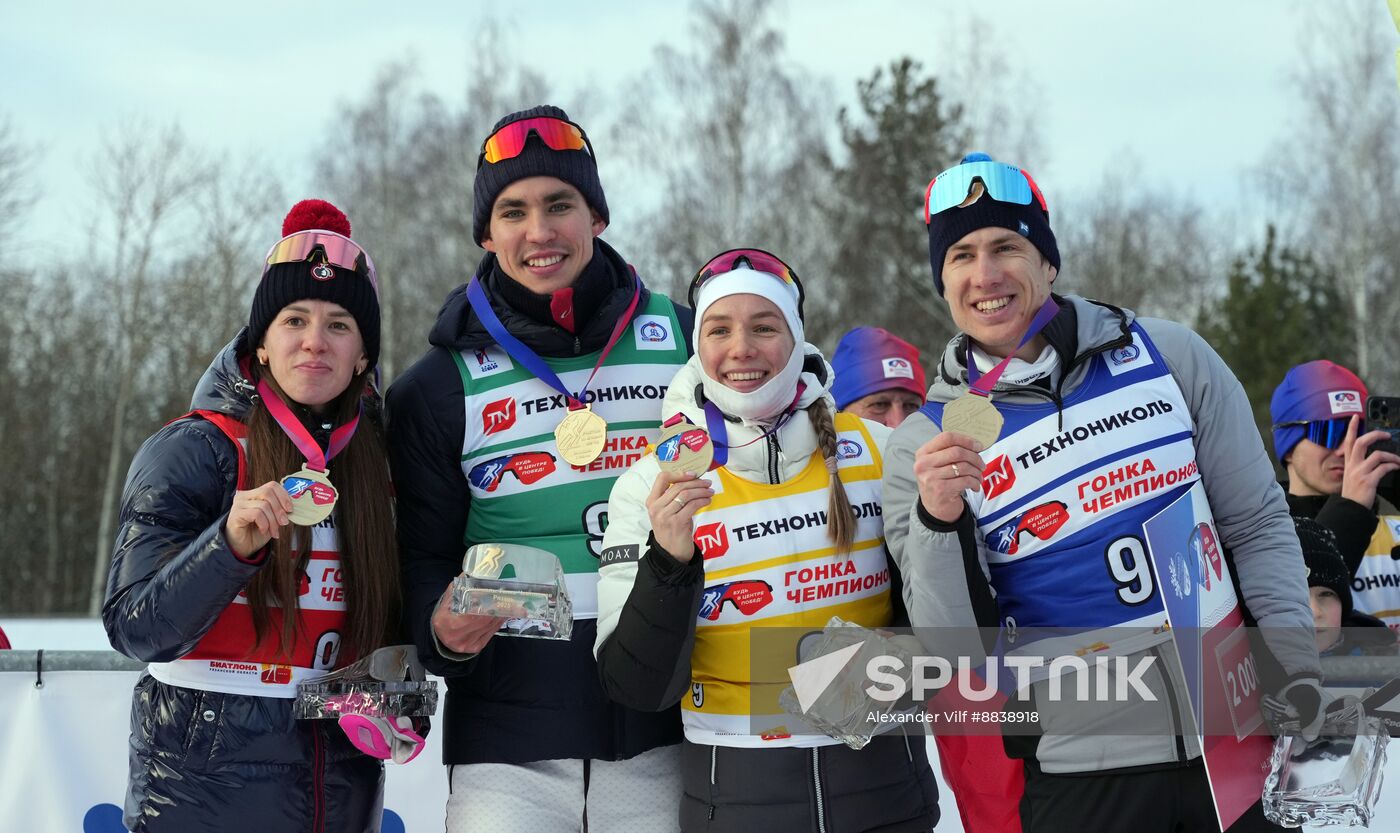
<point>748,456</point>
<point>224,388</point>
<point>1082,327</point>
<point>458,328</point>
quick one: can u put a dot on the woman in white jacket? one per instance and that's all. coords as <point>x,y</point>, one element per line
<point>784,532</point>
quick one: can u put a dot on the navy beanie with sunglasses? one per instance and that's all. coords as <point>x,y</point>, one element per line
<point>949,226</point>
<point>576,167</point>
<point>314,279</point>
<point>1313,392</point>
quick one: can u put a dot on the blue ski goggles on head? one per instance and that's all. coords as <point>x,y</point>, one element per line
<point>1328,433</point>
<point>1004,183</point>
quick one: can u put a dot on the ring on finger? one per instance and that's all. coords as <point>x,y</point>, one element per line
<point>678,500</point>
<point>956,473</point>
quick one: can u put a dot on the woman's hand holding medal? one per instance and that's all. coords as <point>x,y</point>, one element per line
<point>945,467</point>
<point>672,504</point>
<point>256,516</point>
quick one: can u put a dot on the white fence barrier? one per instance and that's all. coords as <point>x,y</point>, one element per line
<point>63,748</point>
<point>63,753</point>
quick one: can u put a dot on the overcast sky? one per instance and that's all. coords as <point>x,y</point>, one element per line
<point>1196,91</point>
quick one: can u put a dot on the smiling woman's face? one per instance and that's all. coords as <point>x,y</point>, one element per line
<point>313,348</point>
<point>744,342</point>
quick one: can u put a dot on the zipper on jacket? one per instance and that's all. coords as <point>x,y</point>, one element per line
<point>772,443</point>
<point>578,346</point>
<point>714,755</point>
<point>246,388</point>
<point>817,781</point>
<point>318,774</point>
<point>1172,704</point>
<point>1058,395</point>
<point>322,435</point>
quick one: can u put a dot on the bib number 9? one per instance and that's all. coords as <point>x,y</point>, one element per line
<point>595,522</point>
<point>1130,570</point>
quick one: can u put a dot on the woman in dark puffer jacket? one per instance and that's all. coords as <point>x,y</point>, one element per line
<point>240,572</point>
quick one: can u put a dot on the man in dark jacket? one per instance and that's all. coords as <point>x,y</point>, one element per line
<point>553,326</point>
<point>1334,476</point>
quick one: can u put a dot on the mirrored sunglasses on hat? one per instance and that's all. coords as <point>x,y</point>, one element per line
<point>1004,183</point>
<point>1328,433</point>
<point>509,141</point>
<point>337,249</point>
<point>756,259</point>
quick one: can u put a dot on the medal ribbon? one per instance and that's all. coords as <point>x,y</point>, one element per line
<point>476,296</point>
<point>982,385</point>
<point>298,433</point>
<point>719,433</point>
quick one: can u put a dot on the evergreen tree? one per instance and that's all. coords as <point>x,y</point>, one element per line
<point>1280,309</point>
<point>906,131</point>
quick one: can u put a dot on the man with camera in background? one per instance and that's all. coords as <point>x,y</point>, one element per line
<point>1334,470</point>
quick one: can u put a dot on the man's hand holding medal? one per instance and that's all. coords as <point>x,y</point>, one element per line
<point>951,462</point>
<point>945,467</point>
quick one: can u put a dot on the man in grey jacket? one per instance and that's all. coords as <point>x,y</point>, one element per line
<point>1085,428</point>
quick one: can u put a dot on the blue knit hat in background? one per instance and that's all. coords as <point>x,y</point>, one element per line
<point>1314,391</point>
<point>871,359</point>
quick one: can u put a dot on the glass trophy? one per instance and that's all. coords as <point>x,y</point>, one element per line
<point>844,710</point>
<point>1334,780</point>
<point>389,682</point>
<point>524,585</point>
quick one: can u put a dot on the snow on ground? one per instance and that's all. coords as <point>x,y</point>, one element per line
<point>55,634</point>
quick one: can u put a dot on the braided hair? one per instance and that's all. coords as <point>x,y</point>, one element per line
<point>841,519</point>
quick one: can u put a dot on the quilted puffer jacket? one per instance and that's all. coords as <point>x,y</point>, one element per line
<point>203,760</point>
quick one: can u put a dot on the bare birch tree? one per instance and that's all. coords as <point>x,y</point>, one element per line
<point>401,163</point>
<point>142,178</point>
<point>1334,178</point>
<point>997,103</point>
<point>729,145</point>
<point>903,132</point>
<point>1131,245</point>
<point>237,212</point>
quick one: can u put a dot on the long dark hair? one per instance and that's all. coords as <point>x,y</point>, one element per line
<point>364,519</point>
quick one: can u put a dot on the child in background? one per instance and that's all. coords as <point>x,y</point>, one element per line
<point>1341,630</point>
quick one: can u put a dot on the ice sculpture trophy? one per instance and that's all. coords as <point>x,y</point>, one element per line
<point>523,584</point>
<point>1335,780</point>
<point>844,710</point>
<point>389,682</point>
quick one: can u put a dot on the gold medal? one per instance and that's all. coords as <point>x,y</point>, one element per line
<point>974,416</point>
<point>313,496</point>
<point>581,436</point>
<point>684,447</point>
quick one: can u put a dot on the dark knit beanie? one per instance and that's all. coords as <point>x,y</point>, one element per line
<point>576,167</point>
<point>315,279</point>
<point>1326,567</point>
<point>949,226</point>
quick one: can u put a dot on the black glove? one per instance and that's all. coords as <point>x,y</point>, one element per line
<point>1304,705</point>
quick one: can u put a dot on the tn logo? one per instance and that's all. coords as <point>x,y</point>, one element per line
<point>498,416</point>
<point>998,476</point>
<point>712,539</point>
